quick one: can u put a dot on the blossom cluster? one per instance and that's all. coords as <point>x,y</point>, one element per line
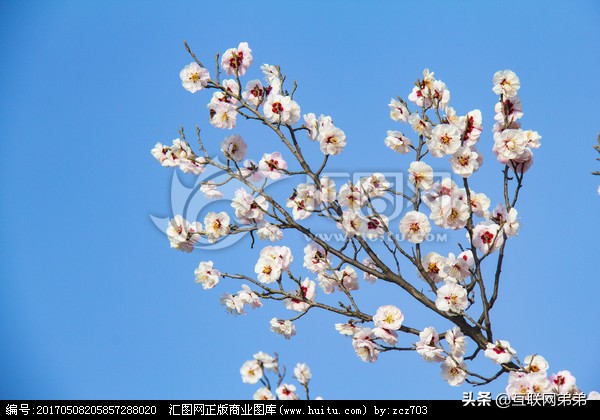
<point>512,145</point>
<point>365,341</point>
<point>436,203</point>
<point>179,154</point>
<point>257,370</point>
<point>183,235</point>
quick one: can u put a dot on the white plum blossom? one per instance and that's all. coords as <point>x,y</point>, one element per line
<point>347,278</point>
<point>251,372</point>
<point>535,364</point>
<point>445,140</point>
<point>352,224</point>
<point>420,126</point>
<point>467,257</point>
<point>452,297</point>
<point>521,383</point>
<point>486,237</point>
<point>210,191</point>
<point>254,92</point>
<point>415,226</point>
<point>427,346</point>
<point>364,346</point>
<point>457,267</point>
<point>272,165</point>
<point>233,304</point>
<point>306,292</point>
<point>222,115</point>
<point>195,166</point>
<point>332,140</point>
<point>182,234</point>
<point>522,163</point>
<point>248,208</point>
<point>388,336</point>
<point>398,142</point>
<point>206,275</point>
<point>312,125</point>
<point>181,150</point>
<point>283,327</point>
<point>465,161</point>
<point>266,360</point>
<point>509,218</point>
<point>347,329</point>
<point>388,317</point>
<point>420,175</point>
<point>270,232</point>
<point>282,109</point>
<point>327,282</point>
<point>450,211</point>
<point>179,154</point>
<point>509,144</point>
<point>445,187</point>
<point>506,83</point>
<point>562,382</point>
<point>268,270</point>
<point>286,392</point>
<point>434,264</point>
<point>456,341</point>
<point>302,373</point>
<point>456,120</point>
<point>272,76</point>
<point>327,192</point>
<point>303,201</point>
<point>263,394</point>
<point>216,225</point>
<point>540,383</point>
<point>420,96</point>
<point>351,196</point>
<point>472,127</point>
<point>480,204</point>
<point>398,111</point>
<point>375,226</point>
<point>234,147</point>
<point>520,386</point>
<point>533,139</point>
<point>454,371</point>
<point>281,255</point>
<point>227,95</point>
<point>237,60</point>
<point>500,352</point>
<point>371,264</point>
<point>251,171</point>
<point>164,155</point>
<point>509,110</point>
<point>193,77</point>
<point>375,185</point>
<point>315,258</point>
<point>249,297</point>
<point>439,94</point>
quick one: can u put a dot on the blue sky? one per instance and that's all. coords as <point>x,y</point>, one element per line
<point>94,303</point>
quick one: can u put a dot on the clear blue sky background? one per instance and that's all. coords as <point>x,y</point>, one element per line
<point>94,304</point>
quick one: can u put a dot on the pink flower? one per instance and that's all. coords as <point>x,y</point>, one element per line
<point>487,238</point>
<point>500,352</point>
<point>271,165</point>
<point>237,59</point>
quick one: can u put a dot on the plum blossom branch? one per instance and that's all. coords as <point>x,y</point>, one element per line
<point>452,280</point>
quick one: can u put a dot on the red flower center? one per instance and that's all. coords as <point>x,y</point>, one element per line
<point>487,237</point>
<point>277,108</point>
